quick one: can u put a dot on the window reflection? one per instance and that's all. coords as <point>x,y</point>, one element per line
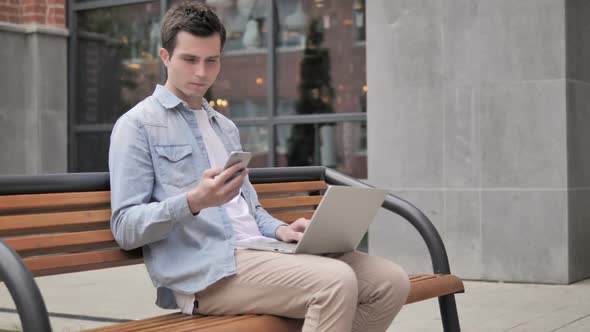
<point>320,63</point>
<point>292,23</point>
<point>327,72</point>
<point>341,146</point>
<point>92,152</point>
<point>255,139</point>
<point>359,19</point>
<point>241,87</point>
<point>325,75</point>
<point>117,59</point>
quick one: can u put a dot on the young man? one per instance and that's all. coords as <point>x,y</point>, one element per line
<point>170,197</point>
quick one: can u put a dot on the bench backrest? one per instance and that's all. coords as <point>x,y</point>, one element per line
<point>70,232</point>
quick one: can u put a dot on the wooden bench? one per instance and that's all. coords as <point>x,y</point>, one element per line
<point>60,224</point>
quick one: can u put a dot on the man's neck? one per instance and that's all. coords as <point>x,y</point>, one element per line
<point>193,103</point>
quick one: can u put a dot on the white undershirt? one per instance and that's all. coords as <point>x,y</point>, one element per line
<point>244,225</point>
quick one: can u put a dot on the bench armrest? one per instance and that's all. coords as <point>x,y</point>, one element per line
<point>24,291</point>
<point>434,243</point>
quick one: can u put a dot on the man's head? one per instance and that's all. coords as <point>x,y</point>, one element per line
<point>191,16</point>
<point>192,40</point>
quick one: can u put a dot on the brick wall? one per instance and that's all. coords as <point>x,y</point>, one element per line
<point>45,12</point>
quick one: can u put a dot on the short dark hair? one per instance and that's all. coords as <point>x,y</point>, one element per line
<point>194,17</point>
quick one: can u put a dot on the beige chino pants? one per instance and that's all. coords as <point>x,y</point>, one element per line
<point>339,293</point>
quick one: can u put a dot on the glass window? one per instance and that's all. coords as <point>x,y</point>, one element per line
<point>320,69</point>
<point>240,90</point>
<point>117,60</point>
<point>326,72</point>
<point>359,20</point>
<point>296,145</point>
<point>341,146</point>
<point>292,23</point>
<point>255,139</point>
<point>93,152</point>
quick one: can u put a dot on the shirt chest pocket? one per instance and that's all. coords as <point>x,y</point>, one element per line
<point>175,164</point>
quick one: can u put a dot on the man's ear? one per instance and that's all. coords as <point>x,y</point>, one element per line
<point>164,56</point>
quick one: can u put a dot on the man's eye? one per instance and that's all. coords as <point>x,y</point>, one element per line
<point>189,60</point>
<point>212,60</point>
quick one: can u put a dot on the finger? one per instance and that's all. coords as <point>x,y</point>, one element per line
<point>290,237</point>
<point>293,235</point>
<point>296,227</point>
<point>238,180</point>
<point>303,220</point>
<point>211,173</point>
<point>231,188</point>
<point>306,222</point>
<point>301,224</point>
<point>228,172</point>
<point>298,236</point>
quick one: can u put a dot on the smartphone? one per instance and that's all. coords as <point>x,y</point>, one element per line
<point>234,158</point>
<point>237,156</point>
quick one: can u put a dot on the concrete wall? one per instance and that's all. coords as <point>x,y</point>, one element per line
<point>578,127</point>
<point>469,118</point>
<point>33,112</point>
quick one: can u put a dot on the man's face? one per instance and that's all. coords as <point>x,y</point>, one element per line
<point>193,66</point>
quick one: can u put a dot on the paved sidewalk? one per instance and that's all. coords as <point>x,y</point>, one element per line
<point>488,306</point>
<point>98,298</point>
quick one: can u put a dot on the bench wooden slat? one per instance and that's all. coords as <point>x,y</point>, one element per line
<point>47,265</point>
<point>287,202</point>
<point>418,278</point>
<point>433,286</point>
<point>260,323</point>
<point>148,322</point>
<point>144,325</point>
<point>181,323</point>
<point>51,243</point>
<point>37,202</point>
<point>289,217</point>
<point>57,221</point>
<point>289,187</point>
<point>197,324</point>
<point>173,323</point>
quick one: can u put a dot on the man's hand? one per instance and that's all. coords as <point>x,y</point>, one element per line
<point>293,232</point>
<point>216,188</point>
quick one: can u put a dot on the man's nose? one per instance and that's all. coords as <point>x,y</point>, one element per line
<point>200,69</point>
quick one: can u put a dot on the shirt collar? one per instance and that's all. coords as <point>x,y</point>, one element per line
<point>171,101</point>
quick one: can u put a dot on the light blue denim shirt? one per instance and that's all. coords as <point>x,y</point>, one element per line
<point>156,156</point>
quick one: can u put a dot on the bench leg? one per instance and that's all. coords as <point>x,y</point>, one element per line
<point>448,313</point>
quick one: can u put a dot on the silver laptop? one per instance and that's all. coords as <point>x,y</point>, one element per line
<point>337,225</point>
